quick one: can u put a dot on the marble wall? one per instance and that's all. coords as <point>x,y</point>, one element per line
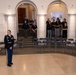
<point>3,27</point>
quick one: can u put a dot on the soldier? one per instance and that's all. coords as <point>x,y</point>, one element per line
<point>9,42</point>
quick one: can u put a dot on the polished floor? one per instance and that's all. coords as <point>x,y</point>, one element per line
<point>39,64</point>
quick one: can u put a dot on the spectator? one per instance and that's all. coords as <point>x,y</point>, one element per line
<point>64,28</point>
<point>49,27</point>
<point>34,29</point>
<point>25,26</point>
<point>53,27</point>
<point>57,28</point>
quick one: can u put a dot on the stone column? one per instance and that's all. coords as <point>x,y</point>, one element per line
<point>41,24</point>
<point>71,25</point>
<point>11,24</point>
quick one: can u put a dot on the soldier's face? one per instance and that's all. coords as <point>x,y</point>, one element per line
<point>8,32</point>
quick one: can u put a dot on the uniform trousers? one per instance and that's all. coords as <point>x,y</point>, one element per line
<point>9,56</point>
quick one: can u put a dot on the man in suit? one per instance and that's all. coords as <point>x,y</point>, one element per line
<point>9,42</point>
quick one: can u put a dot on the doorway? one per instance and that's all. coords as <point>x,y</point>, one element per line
<point>27,12</point>
<point>21,14</point>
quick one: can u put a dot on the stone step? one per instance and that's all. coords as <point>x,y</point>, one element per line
<point>28,44</point>
<point>25,42</point>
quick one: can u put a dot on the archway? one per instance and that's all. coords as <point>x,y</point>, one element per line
<point>57,9</point>
<point>25,10</point>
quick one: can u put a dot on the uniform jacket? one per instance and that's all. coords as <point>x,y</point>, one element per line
<point>8,41</point>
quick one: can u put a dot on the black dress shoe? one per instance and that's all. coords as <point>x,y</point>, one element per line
<point>9,65</point>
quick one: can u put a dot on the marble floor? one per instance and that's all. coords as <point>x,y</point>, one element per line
<point>39,64</point>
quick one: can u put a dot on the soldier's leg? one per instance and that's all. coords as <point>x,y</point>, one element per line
<point>8,55</point>
<point>11,52</point>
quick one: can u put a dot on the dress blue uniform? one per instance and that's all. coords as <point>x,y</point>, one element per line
<point>9,42</point>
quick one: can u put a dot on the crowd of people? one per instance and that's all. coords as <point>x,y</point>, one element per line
<point>56,28</point>
<point>30,26</point>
